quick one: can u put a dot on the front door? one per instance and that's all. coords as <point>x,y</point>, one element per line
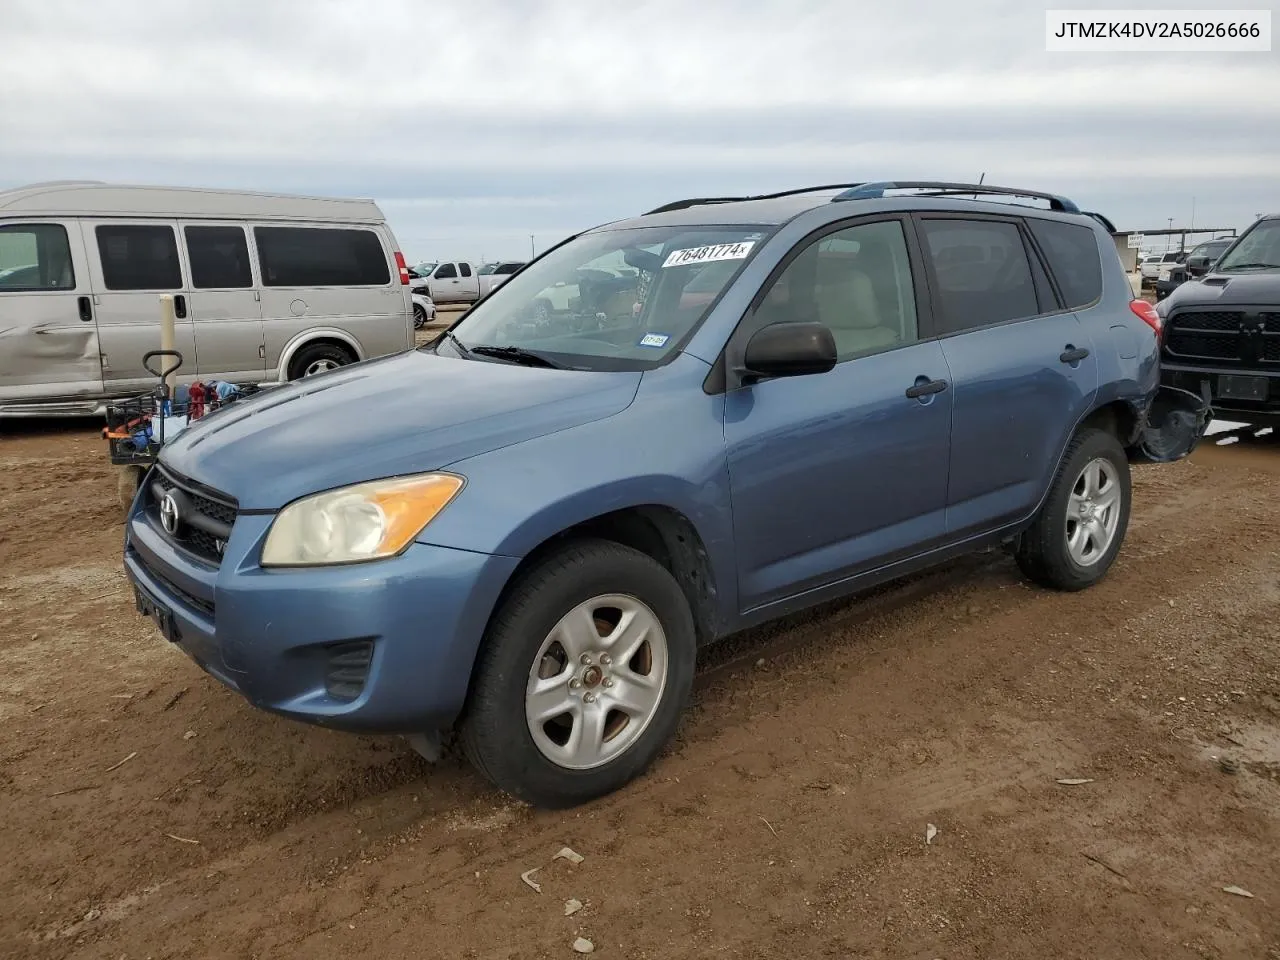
<point>1024,372</point>
<point>132,263</point>
<point>839,473</point>
<point>48,333</point>
<point>225,303</point>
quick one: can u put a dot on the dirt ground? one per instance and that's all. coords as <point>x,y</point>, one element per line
<point>145,811</point>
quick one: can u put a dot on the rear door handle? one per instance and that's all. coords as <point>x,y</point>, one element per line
<point>85,307</point>
<point>1073,354</point>
<point>925,387</point>
<point>180,307</point>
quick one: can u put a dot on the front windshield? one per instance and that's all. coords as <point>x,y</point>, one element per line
<point>1258,249</point>
<point>613,299</point>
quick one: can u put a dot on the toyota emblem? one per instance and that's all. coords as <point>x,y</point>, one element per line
<point>169,514</point>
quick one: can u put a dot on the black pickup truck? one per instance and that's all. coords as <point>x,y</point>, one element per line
<point>1222,334</point>
<point>1194,266</point>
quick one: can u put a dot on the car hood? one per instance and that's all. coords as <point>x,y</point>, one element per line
<point>1229,289</point>
<point>408,413</point>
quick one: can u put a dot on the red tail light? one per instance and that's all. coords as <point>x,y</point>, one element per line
<point>404,268</point>
<point>1145,312</point>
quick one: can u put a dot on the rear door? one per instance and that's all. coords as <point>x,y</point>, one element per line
<point>132,262</point>
<point>1023,369</point>
<point>48,334</point>
<point>468,282</point>
<point>225,302</point>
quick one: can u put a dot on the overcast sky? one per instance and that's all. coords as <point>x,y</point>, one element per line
<point>478,123</point>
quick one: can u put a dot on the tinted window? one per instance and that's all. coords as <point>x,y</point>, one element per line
<point>446,272</point>
<point>856,281</point>
<point>219,257</point>
<point>465,268</point>
<point>508,267</point>
<point>1072,251</point>
<point>139,257</point>
<point>320,257</point>
<point>982,270</point>
<point>35,256</point>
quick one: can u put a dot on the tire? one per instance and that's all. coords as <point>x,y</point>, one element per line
<point>523,756</point>
<point>419,317</point>
<point>318,358</point>
<point>1044,551</point>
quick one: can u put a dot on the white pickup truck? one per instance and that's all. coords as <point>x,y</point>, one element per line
<point>458,281</point>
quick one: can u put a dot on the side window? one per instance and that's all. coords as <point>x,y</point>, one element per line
<point>508,268</point>
<point>35,256</point>
<point>219,258</point>
<point>320,257</point>
<point>1072,251</point>
<point>465,268</point>
<point>446,272</point>
<point>983,273</point>
<point>136,257</point>
<point>856,281</point>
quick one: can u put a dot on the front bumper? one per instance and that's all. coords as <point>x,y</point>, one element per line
<point>1263,411</point>
<point>381,647</point>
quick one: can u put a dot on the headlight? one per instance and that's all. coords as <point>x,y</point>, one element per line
<point>367,521</point>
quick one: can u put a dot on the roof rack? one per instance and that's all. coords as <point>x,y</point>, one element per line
<point>698,201</point>
<point>941,188</point>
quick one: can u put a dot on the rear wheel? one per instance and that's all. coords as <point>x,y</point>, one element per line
<point>318,358</point>
<point>1079,530</point>
<point>584,673</point>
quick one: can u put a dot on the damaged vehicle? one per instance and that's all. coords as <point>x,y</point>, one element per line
<point>779,401</point>
<point>266,288</point>
<point>1221,335</point>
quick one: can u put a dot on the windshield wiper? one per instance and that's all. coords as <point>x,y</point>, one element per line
<point>516,355</point>
<point>1251,266</point>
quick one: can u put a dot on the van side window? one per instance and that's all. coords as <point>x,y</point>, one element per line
<point>219,258</point>
<point>35,256</point>
<point>465,268</point>
<point>983,273</point>
<point>137,257</point>
<point>1073,258</point>
<point>320,257</point>
<point>446,272</point>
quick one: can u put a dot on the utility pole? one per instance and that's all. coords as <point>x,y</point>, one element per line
<point>532,254</point>
<point>1168,240</point>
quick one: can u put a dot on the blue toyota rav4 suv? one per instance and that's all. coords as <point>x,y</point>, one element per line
<point>661,431</point>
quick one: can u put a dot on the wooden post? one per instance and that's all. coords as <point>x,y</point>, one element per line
<point>167,325</point>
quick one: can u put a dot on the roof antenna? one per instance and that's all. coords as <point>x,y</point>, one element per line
<point>980,179</point>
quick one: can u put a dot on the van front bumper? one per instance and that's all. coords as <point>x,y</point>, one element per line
<point>380,647</point>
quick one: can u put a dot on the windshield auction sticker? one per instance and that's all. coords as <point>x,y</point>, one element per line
<point>717,251</point>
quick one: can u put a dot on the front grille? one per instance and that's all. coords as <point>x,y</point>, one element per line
<point>1271,348</point>
<point>207,523</point>
<point>1224,320</point>
<point>1207,346</point>
<point>348,669</point>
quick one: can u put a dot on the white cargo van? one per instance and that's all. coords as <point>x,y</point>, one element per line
<point>266,288</point>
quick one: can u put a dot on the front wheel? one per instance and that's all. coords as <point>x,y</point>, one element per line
<point>1077,534</point>
<point>419,316</point>
<point>585,670</point>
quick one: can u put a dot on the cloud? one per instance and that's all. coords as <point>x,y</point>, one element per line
<point>478,123</point>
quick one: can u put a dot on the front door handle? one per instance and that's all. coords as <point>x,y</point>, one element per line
<point>180,307</point>
<point>1073,354</point>
<point>85,306</point>
<point>924,388</point>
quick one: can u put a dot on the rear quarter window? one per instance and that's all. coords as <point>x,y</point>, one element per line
<point>1072,252</point>
<point>320,257</point>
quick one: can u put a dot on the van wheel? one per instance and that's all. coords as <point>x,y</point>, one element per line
<point>1079,530</point>
<point>585,669</point>
<point>318,358</point>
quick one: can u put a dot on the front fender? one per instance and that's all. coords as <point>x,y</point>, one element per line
<point>666,450</point>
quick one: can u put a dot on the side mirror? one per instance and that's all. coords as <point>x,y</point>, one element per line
<point>790,350</point>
